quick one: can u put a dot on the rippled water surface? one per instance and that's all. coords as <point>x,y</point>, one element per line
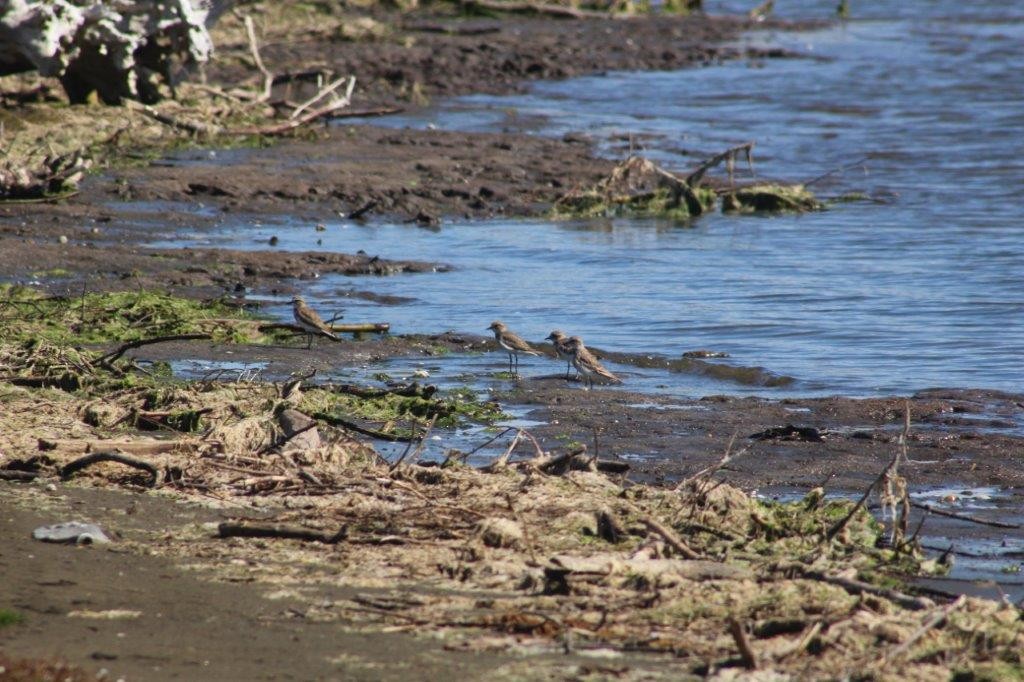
<point>922,107</point>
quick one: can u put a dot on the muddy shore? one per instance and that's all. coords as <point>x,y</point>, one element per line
<point>98,239</point>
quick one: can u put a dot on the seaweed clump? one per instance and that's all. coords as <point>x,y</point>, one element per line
<point>769,198</point>
<point>638,187</point>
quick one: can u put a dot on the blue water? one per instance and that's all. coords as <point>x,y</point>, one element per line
<point>920,106</point>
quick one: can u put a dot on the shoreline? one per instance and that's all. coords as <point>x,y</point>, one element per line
<point>528,595</point>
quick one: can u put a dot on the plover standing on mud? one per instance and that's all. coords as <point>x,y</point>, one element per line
<point>586,364</point>
<point>562,351</point>
<point>512,343</point>
<point>310,321</point>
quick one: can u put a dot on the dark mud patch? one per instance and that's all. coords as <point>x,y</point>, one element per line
<point>668,439</point>
<point>280,361</point>
<point>445,54</point>
<point>88,261</point>
<point>417,176</point>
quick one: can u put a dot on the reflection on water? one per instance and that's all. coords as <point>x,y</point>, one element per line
<point>921,108</point>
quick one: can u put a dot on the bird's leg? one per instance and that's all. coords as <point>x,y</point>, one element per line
<point>567,365</point>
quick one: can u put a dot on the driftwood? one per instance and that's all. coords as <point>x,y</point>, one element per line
<point>142,448</point>
<point>125,347</point>
<point>413,390</point>
<point>116,49</point>
<point>55,177</point>
<point>360,327</point>
<point>729,156</point>
<point>65,382</point>
<point>68,470</point>
<point>420,440</point>
<point>859,587</point>
<point>18,475</point>
<point>963,517</point>
<point>353,328</point>
<point>710,471</point>
<point>739,635</point>
<point>577,461</point>
<point>933,622</point>
<point>246,529</point>
<point>543,9</point>
<point>670,537</point>
<point>335,420</point>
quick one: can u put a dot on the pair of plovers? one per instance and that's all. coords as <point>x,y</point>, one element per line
<point>570,349</point>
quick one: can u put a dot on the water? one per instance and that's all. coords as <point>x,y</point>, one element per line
<point>922,105</point>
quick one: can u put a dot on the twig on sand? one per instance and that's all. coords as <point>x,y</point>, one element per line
<point>194,127</point>
<point>859,587</point>
<point>729,156</point>
<point>18,475</point>
<point>709,471</point>
<point>670,537</point>
<point>544,9</point>
<point>69,469</point>
<point>742,643</point>
<point>502,461</point>
<point>420,441</point>
<point>963,517</point>
<point>125,347</point>
<point>323,92</point>
<point>334,420</point>
<point>254,50</point>
<point>327,110</point>
<point>246,529</point>
<point>933,622</point>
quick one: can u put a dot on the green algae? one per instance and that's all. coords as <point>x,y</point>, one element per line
<point>770,198</point>
<point>455,407</point>
<point>94,318</point>
<point>637,187</point>
<point>640,188</point>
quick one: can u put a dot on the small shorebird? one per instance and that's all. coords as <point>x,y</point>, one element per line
<point>310,321</point>
<point>512,343</point>
<point>586,364</point>
<point>562,351</point>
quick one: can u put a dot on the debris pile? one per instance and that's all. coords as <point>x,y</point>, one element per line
<point>538,552</point>
<point>639,187</point>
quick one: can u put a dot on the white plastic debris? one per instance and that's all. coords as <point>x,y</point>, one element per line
<point>72,532</point>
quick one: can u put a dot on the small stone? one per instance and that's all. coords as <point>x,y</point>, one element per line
<point>63,239</point>
<point>273,240</point>
<point>320,227</point>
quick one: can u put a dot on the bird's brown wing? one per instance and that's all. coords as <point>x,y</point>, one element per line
<point>313,319</point>
<point>518,343</point>
<point>590,361</point>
